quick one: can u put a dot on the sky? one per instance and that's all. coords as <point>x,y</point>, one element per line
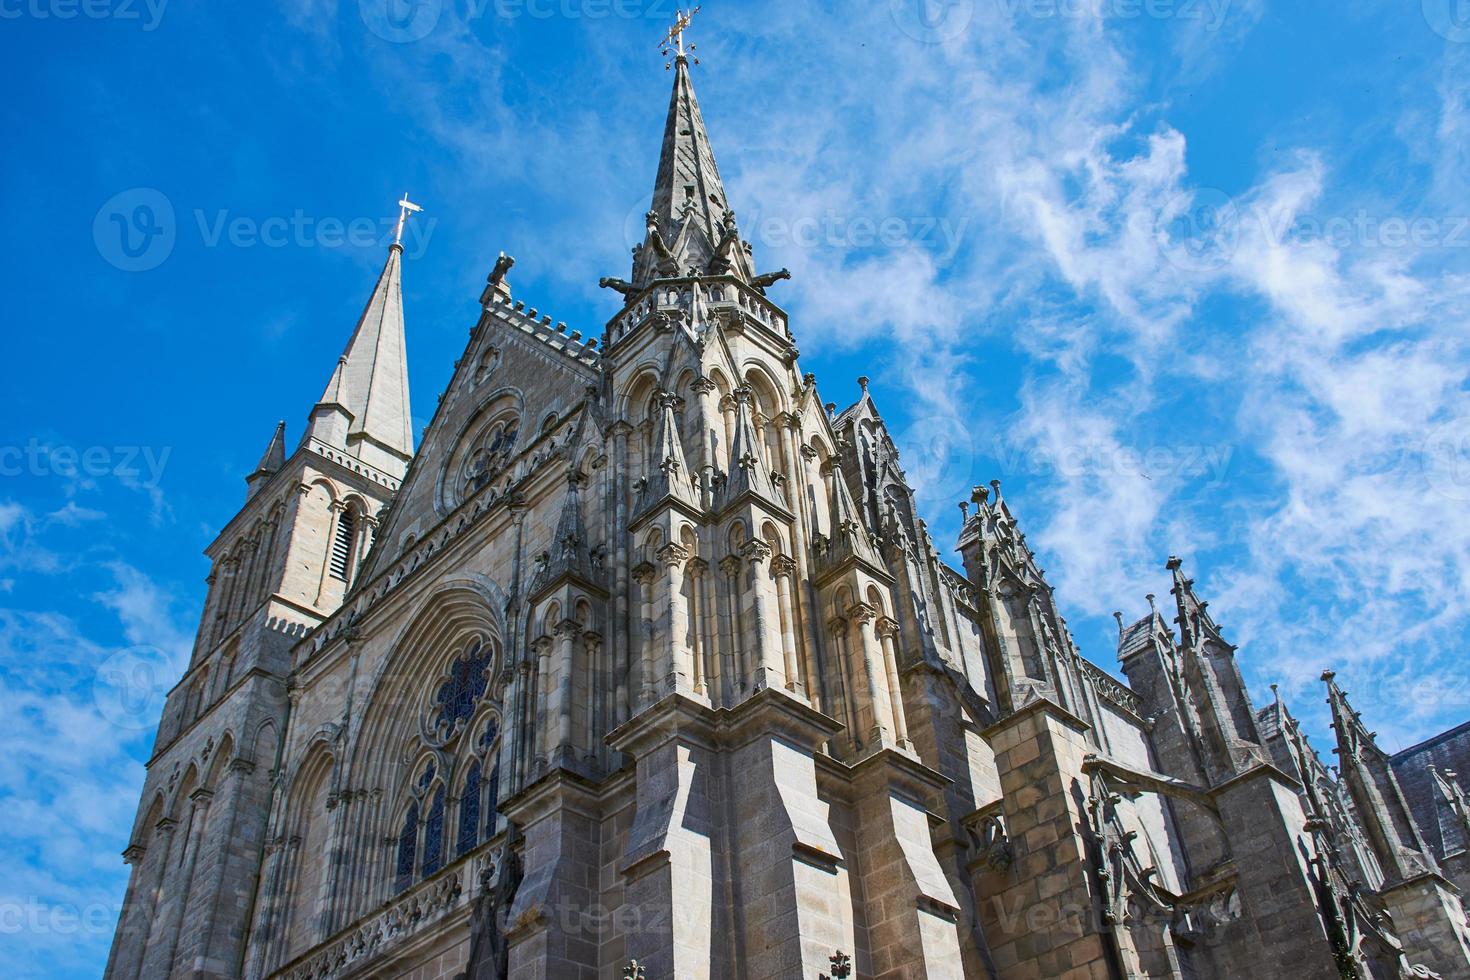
<point>1188,276</point>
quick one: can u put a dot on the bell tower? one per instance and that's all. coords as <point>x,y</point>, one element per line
<point>284,563</point>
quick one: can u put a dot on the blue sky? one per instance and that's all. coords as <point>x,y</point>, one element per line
<point>1189,276</point>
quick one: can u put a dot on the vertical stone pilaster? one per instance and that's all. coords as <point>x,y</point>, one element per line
<point>553,927</point>
<point>1430,921</point>
<point>1043,921</point>
<point>911,910</point>
<point>672,907</point>
<point>1282,927</point>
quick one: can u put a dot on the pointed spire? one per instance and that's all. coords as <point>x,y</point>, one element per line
<point>749,471</point>
<point>1376,794</point>
<point>1232,743</point>
<point>271,460</point>
<point>848,530</point>
<point>691,224</point>
<point>569,554</point>
<point>365,408</point>
<point>672,477</point>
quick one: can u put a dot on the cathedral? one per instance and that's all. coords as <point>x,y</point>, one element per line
<point>642,666</point>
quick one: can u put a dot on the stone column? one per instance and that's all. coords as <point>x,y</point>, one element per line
<point>768,669</point>
<point>699,606</point>
<point>595,698</point>
<point>644,575</point>
<point>888,634</point>
<point>541,725</point>
<point>567,632</point>
<point>732,658</point>
<point>865,639</point>
<point>705,389</point>
<point>839,630</point>
<point>676,668</point>
<point>620,653</point>
<point>784,568</point>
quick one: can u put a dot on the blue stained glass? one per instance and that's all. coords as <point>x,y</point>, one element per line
<point>469,811</point>
<point>408,842</point>
<point>466,685</point>
<point>434,836</point>
<point>427,777</point>
<point>492,732</point>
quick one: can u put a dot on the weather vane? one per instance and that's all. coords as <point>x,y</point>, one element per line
<point>675,39</point>
<point>405,208</point>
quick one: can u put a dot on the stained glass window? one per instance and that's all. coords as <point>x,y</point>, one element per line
<point>469,811</point>
<point>427,777</point>
<point>407,849</point>
<point>434,835</point>
<point>466,685</point>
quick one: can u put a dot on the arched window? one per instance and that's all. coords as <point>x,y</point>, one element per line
<point>408,843</point>
<point>342,544</point>
<point>469,812</point>
<point>434,836</point>
<point>458,696</point>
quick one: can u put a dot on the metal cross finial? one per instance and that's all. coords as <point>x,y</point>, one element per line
<point>405,208</point>
<point>675,39</point>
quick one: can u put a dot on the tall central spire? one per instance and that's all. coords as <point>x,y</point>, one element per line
<point>691,227</point>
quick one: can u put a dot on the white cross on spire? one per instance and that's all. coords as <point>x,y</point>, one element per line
<point>675,37</point>
<point>405,208</point>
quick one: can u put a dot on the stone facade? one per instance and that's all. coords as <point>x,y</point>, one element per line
<point>644,665</point>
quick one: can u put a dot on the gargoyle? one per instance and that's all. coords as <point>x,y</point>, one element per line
<point>720,263</point>
<point>762,283</point>
<point>656,237</point>
<point>620,285</point>
<point>502,265</point>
